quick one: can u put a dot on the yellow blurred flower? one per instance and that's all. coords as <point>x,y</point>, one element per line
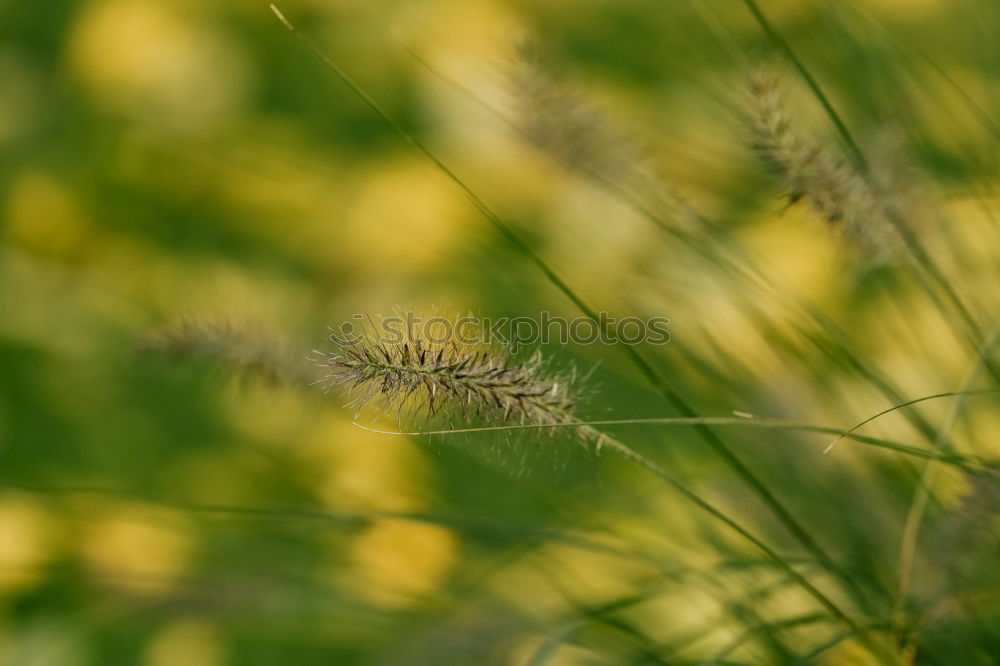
<point>398,561</point>
<point>28,539</point>
<point>363,470</point>
<point>44,215</point>
<point>141,548</point>
<point>407,217</point>
<point>152,60</point>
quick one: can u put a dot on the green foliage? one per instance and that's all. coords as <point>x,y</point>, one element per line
<point>186,186</point>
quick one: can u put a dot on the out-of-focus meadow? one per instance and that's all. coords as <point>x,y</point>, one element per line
<point>173,159</point>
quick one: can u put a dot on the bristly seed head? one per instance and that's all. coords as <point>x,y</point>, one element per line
<point>241,347</point>
<point>563,122</point>
<point>842,196</point>
<point>474,382</point>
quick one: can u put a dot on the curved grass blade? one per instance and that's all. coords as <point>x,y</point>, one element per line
<point>645,368</point>
<point>918,505</point>
<point>923,258</point>
<point>946,394</point>
<point>966,462</point>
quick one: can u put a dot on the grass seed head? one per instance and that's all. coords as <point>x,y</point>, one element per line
<point>561,121</point>
<point>470,382</point>
<point>849,202</point>
<point>239,347</point>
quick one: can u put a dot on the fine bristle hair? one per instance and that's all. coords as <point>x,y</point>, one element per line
<point>469,382</point>
<point>812,172</point>
<point>242,348</point>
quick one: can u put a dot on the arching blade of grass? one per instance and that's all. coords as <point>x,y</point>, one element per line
<point>810,658</point>
<point>961,461</point>
<point>670,648</point>
<point>982,114</point>
<point>726,255</point>
<point>645,368</point>
<point>735,263</point>
<point>877,648</point>
<point>602,613</point>
<point>841,348</point>
<point>551,645</point>
<point>629,454</point>
<point>788,623</point>
<point>918,506</point>
<point>946,394</point>
<point>742,609</point>
<point>925,262</point>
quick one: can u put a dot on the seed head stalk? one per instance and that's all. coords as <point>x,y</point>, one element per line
<point>659,382</point>
<point>414,374</point>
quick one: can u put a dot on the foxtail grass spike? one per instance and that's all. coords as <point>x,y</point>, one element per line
<point>810,172</point>
<point>418,373</point>
<point>239,347</point>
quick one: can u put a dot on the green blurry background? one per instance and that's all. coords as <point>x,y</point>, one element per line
<point>162,159</point>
